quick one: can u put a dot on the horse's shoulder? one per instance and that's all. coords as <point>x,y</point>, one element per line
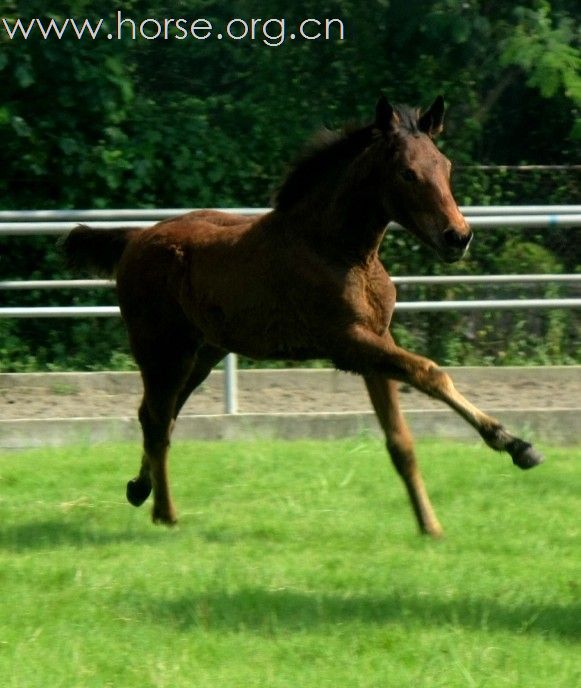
<point>373,295</point>
<point>377,277</point>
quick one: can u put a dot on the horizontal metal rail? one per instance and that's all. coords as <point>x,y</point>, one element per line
<point>470,210</point>
<point>56,228</point>
<point>490,221</point>
<point>522,168</point>
<point>488,304</point>
<point>47,222</point>
<point>483,222</point>
<point>163,213</point>
<point>60,312</point>
<point>22,285</point>
<point>17,285</point>
<point>483,279</point>
<point>124,214</point>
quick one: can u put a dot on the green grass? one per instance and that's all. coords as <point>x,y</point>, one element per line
<point>294,564</point>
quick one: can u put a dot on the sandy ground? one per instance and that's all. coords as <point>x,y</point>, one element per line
<point>46,397</point>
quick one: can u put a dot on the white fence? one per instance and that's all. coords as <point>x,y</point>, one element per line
<point>54,222</point>
<point>36,222</point>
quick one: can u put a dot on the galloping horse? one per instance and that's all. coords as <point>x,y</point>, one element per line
<point>302,281</point>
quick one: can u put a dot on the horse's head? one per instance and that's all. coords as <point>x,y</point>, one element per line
<point>417,191</point>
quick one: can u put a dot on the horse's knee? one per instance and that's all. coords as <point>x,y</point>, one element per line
<point>400,442</point>
<point>401,450</point>
<point>438,383</point>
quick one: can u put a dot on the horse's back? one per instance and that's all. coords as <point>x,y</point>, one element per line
<point>183,267</point>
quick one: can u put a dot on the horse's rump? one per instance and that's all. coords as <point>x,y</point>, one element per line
<point>95,250</point>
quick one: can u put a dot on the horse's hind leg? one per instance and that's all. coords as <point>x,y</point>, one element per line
<point>156,415</point>
<point>139,488</point>
<point>165,358</point>
<point>206,358</point>
<point>384,397</point>
<point>165,394</point>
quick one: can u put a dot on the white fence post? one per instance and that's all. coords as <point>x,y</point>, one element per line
<point>231,384</point>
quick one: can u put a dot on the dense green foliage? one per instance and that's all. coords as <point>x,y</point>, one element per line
<point>171,123</point>
<point>294,564</point>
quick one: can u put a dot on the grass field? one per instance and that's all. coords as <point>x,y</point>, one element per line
<point>294,564</point>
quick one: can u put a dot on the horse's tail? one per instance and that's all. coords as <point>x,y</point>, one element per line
<point>97,251</point>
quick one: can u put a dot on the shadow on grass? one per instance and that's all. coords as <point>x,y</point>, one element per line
<point>267,612</point>
<point>52,534</point>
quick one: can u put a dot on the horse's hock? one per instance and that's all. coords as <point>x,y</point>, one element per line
<point>64,408</point>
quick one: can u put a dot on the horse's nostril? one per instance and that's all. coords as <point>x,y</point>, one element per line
<point>454,239</point>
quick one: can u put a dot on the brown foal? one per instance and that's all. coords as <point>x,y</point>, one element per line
<point>302,281</point>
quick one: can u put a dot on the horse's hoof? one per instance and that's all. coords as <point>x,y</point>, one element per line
<point>138,490</point>
<point>524,455</point>
<point>433,530</point>
<point>169,519</point>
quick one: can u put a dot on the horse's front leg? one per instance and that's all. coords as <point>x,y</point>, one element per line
<point>364,352</point>
<point>384,397</point>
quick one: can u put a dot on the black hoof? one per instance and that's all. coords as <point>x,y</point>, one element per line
<point>138,490</point>
<point>523,454</point>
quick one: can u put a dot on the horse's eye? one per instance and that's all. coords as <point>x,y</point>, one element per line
<point>409,175</point>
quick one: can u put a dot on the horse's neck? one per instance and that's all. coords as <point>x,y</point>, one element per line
<point>346,227</point>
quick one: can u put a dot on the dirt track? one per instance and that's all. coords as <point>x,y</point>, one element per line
<point>110,395</point>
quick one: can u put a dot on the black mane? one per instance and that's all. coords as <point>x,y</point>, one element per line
<point>408,118</point>
<point>329,152</point>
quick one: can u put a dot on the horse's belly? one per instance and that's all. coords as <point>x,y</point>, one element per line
<point>261,333</point>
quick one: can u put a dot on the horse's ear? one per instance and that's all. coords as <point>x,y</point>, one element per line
<point>432,121</point>
<point>384,115</point>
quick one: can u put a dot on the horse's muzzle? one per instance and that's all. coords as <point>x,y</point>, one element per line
<point>457,240</point>
<point>455,244</point>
